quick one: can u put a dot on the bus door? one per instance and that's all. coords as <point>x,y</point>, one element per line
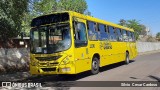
<point>81,45</point>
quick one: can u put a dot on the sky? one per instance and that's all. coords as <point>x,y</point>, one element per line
<point>147,12</point>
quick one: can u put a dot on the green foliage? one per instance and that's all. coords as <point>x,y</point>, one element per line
<point>41,7</point>
<point>122,22</point>
<point>134,24</point>
<point>144,30</point>
<point>158,35</point>
<point>11,14</point>
<point>73,5</point>
<point>49,6</point>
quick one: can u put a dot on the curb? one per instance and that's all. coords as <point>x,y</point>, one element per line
<point>148,52</point>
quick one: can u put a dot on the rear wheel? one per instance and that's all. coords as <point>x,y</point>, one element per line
<point>95,66</point>
<point>127,58</point>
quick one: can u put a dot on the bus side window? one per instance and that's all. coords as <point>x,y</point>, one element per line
<point>133,37</point>
<point>107,31</point>
<point>103,34</point>
<point>125,37</point>
<point>112,33</point>
<point>129,36</point>
<point>119,34</point>
<point>92,30</point>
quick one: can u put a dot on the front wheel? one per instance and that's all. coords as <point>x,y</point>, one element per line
<point>95,66</point>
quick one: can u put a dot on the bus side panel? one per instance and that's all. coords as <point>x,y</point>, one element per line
<point>82,61</point>
<point>118,51</point>
<point>98,47</point>
<point>121,47</point>
<point>105,53</point>
<point>134,50</point>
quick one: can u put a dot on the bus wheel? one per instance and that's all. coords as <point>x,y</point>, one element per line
<point>127,58</point>
<point>95,66</point>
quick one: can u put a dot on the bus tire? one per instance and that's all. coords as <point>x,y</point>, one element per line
<point>127,58</point>
<point>95,66</point>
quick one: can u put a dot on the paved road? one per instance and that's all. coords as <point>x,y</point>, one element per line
<point>144,68</point>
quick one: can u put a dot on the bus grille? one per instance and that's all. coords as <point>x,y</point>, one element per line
<point>48,69</point>
<point>46,64</point>
<point>48,58</point>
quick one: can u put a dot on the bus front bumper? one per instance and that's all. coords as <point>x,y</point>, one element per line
<point>62,69</point>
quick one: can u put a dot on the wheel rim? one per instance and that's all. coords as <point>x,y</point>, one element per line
<point>95,65</point>
<point>127,59</point>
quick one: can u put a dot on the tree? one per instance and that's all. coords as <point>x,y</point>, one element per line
<point>122,22</point>
<point>144,31</point>
<point>134,24</point>
<point>73,5</point>
<point>49,6</point>
<point>11,15</point>
<point>158,36</point>
<point>41,7</point>
<point>26,22</point>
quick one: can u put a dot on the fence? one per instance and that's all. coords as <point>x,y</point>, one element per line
<point>147,46</point>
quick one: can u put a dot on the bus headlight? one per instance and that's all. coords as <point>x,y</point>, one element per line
<point>66,69</point>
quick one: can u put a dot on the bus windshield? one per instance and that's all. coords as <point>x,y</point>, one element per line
<point>50,39</point>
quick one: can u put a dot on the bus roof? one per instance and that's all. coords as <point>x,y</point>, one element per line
<point>91,18</point>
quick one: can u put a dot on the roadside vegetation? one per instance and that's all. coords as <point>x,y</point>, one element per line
<point>16,15</point>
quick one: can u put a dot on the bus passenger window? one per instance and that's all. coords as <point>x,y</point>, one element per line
<point>129,36</point>
<point>133,37</point>
<point>112,33</point>
<point>103,34</point>
<point>119,34</point>
<point>92,32</point>
<point>125,37</point>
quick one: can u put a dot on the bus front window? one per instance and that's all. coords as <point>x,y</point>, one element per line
<point>50,39</point>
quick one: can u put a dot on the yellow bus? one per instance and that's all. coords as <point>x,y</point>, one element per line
<point>70,43</point>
